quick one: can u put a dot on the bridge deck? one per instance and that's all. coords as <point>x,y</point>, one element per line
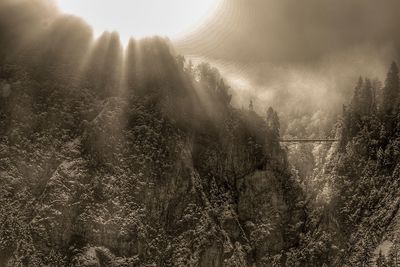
<point>307,140</point>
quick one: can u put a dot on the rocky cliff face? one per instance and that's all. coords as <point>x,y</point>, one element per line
<point>88,180</point>
<point>147,167</point>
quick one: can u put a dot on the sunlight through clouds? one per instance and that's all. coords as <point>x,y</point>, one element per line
<point>141,18</point>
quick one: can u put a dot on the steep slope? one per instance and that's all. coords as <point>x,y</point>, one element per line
<point>352,195</point>
<point>150,166</point>
<point>129,185</point>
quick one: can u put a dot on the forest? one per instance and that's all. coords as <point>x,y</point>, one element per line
<point>135,156</point>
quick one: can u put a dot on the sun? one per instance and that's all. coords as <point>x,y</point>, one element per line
<point>141,18</point>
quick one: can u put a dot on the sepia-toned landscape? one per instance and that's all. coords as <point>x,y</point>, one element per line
<point>202,133</point>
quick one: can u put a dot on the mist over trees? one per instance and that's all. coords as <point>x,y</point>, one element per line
<point>135,156</point>
<point>130,157</point>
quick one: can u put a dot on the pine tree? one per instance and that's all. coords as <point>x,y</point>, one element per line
<point>367,99</point>
<point>363,103</point>
<point>352,115</point>
<point>223,92</point>
<point>362,106</point>
<point>345,131</point>
<point>390,91</point>
<point>356,101</point>
<point>273,123</point>
<point>377,88</point>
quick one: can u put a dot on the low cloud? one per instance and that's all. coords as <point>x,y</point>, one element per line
<point>298,56</point>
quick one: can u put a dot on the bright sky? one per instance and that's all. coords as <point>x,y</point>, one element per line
<point>141,18</point>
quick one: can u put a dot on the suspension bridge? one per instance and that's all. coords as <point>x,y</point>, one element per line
<point>318,140</point>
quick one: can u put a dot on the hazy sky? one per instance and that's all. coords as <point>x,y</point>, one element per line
<point>141,18</point>
<point>296,31</point>
<point>298,56</point>
<point>308,51</point>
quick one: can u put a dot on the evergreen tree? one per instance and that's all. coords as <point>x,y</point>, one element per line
<point>390,91</point>
<point>352,115</point>
<point>345,131</point>
<point>363,105</point>
<point>356,101</point>
<point>367,99</point>
<point>273,123</point>
<point>211,81</point>
<point>377,87</point>
<point>223,92</point>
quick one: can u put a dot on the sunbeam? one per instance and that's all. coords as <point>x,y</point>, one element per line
<point>199,133</point>
<point>141,18</point>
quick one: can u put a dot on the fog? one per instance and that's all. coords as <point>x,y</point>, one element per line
<point>298,56</point>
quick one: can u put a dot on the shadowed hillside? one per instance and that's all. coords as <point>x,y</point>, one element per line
<point>135,156</point>
<point>112,157</point>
